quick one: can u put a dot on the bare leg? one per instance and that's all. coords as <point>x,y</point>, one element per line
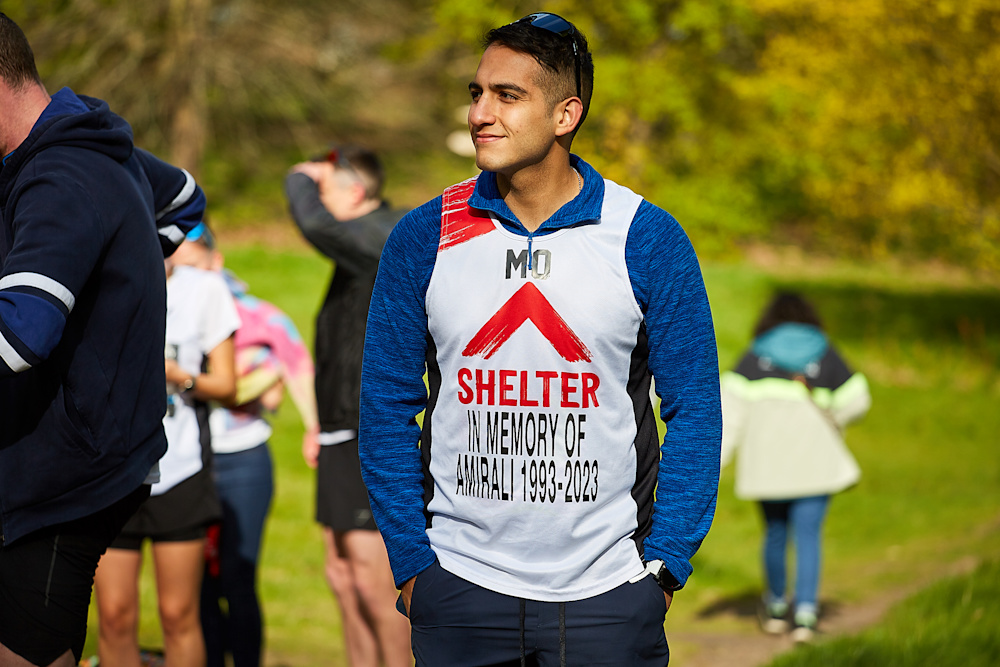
<point>377,594</point>
<point>116,586</point>
<point>359,640</point>
<point>179,567</point>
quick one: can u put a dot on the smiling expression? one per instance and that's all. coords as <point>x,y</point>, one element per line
<point>513,124</point>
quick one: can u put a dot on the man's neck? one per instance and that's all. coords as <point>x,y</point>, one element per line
<point>20,110</point>
<point>361,210</point>
<point>534,193</point>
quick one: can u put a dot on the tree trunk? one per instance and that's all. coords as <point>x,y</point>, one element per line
<point>189,25</point>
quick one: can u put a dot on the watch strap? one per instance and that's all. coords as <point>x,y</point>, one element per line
<point>661,575</point>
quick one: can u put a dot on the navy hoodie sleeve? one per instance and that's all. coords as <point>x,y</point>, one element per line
<point>58,239</point>
<point>178,201</point>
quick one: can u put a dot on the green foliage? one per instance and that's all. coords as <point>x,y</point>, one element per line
<point>894,106</point>
<point>861,127</point>
<point>857,127</point>
<point>241,79</point>
<point>952,623</point>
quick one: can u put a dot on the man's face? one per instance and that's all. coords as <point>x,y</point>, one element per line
<point>512,124</point>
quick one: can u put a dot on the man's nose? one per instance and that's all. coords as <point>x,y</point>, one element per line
<point>480,113</point>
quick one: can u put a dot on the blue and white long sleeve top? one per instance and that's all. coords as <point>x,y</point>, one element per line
<point>534,470</point>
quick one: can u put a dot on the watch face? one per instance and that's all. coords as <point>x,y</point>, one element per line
<point>664,579</point>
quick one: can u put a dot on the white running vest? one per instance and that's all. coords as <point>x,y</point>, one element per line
<point>532,442</point>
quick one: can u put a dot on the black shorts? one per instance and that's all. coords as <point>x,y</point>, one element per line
<point>46,579</point>
<point>341,496</point>
<point>179,515</point>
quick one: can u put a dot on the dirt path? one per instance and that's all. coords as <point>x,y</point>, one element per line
<point>738,642</point>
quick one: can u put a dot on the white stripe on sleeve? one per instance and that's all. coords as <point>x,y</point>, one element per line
<point>10,357</point>
<point>44,283</point>
<point>182,197</point>
<point>173,233</point>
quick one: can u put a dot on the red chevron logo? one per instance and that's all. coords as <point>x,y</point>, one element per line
<point>528,303</point>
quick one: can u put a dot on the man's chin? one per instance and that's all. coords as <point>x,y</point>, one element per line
<point>486,162</point>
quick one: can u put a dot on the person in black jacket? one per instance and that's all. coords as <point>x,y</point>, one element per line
<point>82,317</point>
<point>336,202</point>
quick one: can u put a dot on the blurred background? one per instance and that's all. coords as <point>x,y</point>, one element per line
<point>848,150</point>
<point>865,127</point>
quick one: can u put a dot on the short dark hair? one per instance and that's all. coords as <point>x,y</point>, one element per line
<point>17,61</point>
<point>787,307</point>
<point>554,53</point>
<point>368,166</point>
<point>364,162</point>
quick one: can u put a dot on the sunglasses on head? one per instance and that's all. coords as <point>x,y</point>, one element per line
<point>559,26</point>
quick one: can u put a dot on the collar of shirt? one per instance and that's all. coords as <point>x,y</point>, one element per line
<point>583,209</point>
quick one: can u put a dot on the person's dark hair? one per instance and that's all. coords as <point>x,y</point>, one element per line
<point>368,167</point>
<point>362,162</point>
<point>787,307</point>
<point>554,53</point>
<point>17,61</point>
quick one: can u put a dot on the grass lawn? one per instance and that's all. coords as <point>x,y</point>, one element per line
<point>931,487</point>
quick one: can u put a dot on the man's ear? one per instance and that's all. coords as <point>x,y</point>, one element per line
<point>567,115</point>
<point>358,193</point>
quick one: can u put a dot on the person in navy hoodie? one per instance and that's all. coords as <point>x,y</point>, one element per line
<point>85,221</point>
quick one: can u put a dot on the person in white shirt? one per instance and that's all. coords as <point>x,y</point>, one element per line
<point>200,367</point>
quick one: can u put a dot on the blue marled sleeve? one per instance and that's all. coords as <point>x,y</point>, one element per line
<point>667,282</point>
<point>393,391</point>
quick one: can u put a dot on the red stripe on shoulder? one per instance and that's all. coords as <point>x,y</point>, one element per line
<point>459,221</point>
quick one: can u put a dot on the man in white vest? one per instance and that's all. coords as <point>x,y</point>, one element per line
<point>539,300</point>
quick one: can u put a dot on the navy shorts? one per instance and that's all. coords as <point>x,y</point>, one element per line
<point>456,623</point>
<point>46,578</point>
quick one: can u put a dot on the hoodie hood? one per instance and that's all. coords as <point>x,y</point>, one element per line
<point>71,120</point>
<point>792,347</point>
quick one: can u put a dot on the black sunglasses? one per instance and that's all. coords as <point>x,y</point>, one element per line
<point>560,26</point>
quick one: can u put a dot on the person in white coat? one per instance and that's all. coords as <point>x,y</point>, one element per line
<point>785,406</point>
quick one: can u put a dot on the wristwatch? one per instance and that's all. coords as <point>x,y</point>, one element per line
<point>662,576</point>
<point>187,385</point>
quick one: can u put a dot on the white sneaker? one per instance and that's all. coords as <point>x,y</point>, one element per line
<point>772,617</point>
<point>805,627</point>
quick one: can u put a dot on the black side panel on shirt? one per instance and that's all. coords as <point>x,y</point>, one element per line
<point>434,389</point>
<point>647,447</point>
